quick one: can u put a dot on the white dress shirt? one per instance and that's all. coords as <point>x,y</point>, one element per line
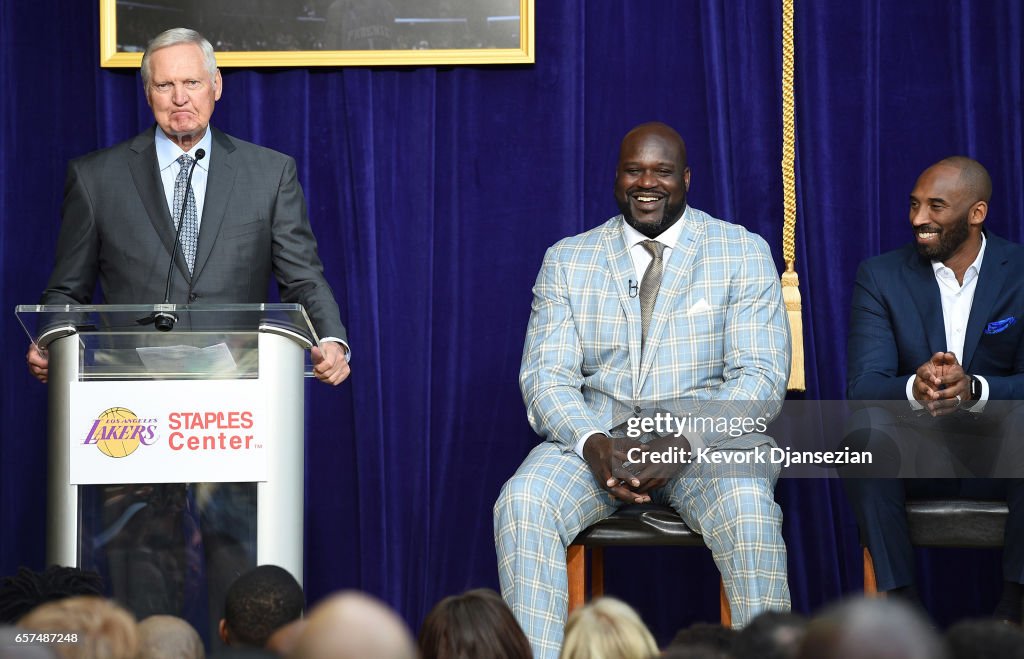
<point>957,300</point>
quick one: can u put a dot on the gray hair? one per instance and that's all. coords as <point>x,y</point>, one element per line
<point>174,37</point>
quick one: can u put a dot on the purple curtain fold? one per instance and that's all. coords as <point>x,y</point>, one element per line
<point>434,192</point>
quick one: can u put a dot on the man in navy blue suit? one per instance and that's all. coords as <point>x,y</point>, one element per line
<point>935,325</point>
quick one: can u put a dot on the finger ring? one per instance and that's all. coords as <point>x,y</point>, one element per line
<point>958,399</point>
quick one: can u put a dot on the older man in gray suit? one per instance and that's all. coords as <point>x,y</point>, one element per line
<point>244,213</point>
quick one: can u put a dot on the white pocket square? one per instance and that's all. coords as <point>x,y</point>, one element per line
<point>701,306</point>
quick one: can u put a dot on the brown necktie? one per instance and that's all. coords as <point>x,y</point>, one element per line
<point>649,285</point>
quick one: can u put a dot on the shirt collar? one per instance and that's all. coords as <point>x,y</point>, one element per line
<point>669,237</point>
<point>939,266</point>
<point>167,151</point>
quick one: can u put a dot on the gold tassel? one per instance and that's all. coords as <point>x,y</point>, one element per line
<point>791,296</point>
<point>790,281</point>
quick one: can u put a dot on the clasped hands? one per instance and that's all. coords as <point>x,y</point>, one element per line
<point>625,479</point>
<point>941,384</point>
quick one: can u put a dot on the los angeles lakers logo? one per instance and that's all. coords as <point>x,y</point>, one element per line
<point>117,432</point>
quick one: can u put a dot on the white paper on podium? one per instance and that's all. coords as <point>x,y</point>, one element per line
<point>168,431</point>
<point>214,360</point>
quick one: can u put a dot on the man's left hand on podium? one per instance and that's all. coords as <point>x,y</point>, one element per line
<point>329,363</point>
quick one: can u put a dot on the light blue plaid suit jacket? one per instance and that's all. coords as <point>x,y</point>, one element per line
<point>582,362</point>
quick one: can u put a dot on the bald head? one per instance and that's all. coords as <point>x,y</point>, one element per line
<point>660,131</point>
<point>168,637</point>
<point>652,178</point>
<point>974,177</point>
<point>354,625</point>
<point>870,629</point>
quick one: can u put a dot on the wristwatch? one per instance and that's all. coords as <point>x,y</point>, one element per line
<point>975,391</point>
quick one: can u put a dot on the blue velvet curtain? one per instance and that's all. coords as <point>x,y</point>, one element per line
<point>434,191</point>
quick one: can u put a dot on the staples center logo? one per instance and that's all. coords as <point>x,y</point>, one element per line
<point>118,432</point>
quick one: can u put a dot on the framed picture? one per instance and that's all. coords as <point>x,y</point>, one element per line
<point>327,32</point>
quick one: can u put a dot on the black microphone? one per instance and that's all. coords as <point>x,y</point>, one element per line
<point>165,320</point>
<point>634,289</point>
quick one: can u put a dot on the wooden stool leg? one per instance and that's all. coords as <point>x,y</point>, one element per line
<point>725,612</point>
<point>576,564</point>
<point>596,571</point>
<point>870,584</point>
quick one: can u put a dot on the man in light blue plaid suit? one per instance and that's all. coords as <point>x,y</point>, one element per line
<point>715,334</point>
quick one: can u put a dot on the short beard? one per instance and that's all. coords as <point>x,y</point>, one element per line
<point>671,215</point>
<point>950,240</point>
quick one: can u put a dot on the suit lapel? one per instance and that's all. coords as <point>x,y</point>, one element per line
<point>620,263</point>
<point>673,284</point>
<point>145,173</point>
<point>924,291</point>
<point>219,183</point>
<point>990,285</point>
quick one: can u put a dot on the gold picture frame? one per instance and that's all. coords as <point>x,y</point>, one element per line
<point>114,55</point>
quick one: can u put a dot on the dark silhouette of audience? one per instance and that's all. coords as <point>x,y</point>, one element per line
<point>263,611</point>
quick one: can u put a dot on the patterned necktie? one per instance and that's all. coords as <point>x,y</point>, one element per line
<point>189,232</point>
<point>649,285</point>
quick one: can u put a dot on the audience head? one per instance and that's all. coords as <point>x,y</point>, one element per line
<point>284,640</point>
<point>771,635</point>
<point>476,623</point>
<point>985,639</point>
<point>168,637</point>
<point>258,603</point>
<point>870,629</point>
<point>27,589</point>
<point>702,634</point>
<point>104,630</point>
<point>699,651</point>
<point>352,625</point>
<point>607,628</point>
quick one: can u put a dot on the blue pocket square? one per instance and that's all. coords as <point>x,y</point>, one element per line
<point>997,326</point>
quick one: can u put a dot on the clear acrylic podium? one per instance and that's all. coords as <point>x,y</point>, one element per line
<point>172,545</point>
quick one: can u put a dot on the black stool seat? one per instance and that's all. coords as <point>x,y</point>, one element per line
<point>641,524</point>
<point>957,523</point>
<point>947,523</point>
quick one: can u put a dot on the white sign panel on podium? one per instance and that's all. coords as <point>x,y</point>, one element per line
<point>167,431</point>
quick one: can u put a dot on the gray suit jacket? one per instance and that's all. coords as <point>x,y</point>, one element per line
<point>718,340</point>
<point>116,227</point>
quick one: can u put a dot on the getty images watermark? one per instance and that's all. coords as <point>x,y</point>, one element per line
<point>665,424</point>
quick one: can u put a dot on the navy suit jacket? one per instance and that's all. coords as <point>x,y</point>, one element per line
<point>116,228</point>
<point>896,323</point>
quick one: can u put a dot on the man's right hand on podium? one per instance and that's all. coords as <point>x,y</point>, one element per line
<point>38,362</point>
